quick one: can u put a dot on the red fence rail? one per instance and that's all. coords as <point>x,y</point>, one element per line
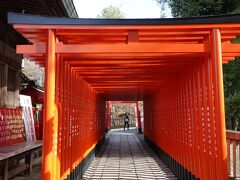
<point>233,147</point>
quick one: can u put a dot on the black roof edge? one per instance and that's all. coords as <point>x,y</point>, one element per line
<point>29,81</point>
<point>16,18</point>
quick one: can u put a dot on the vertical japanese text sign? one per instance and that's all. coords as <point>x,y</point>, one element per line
<point>26,104</point>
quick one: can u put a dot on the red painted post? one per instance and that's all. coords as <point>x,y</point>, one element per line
<point>108,116</point>
<point>139,116</point>
<point>189,123</point>
<point>219,103</point>
<point>57,117</point>
<point>64,150</point>
<point>60,116</point>
<point>204,121</point>
<point>50,121</point>
<point>210,118</point>
<point>186,119</point>
<point>199,122</point>
<point>195,122</point>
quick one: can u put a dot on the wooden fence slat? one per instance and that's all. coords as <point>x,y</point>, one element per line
<point>238,160</point>
<point>228,158</point>
<point>233,147</point>
<point>234,158</point>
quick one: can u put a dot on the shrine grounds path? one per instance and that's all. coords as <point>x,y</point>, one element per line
<point>126,156</point>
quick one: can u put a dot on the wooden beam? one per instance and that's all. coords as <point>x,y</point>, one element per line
<point>228,47</point>
<point>131,48</point>
<point>31,49</point>
<point>115,48</point>
<point>126,48</point>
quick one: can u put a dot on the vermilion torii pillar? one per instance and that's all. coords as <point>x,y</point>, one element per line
<point>217,75</point>
<point>50,116</point>
<point>108,115</point>
<point>139,116</point>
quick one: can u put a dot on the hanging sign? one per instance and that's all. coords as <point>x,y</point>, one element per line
<point>26,104</point>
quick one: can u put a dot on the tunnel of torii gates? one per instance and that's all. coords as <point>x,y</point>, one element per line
<point>173,65</point>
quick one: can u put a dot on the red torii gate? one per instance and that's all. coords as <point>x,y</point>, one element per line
<point>108,113</point>
<point>173,65</point>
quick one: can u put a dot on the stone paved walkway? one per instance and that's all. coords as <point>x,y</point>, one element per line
<point>126,156</point>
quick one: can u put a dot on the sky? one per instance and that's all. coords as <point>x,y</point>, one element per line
<point>130,8</point>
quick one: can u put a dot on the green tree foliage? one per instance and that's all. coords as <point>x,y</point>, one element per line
<point>188,8</point>
<point>111,12</point>
<point>231,71</point>
<point>231,75</point>
<point>232,92</point>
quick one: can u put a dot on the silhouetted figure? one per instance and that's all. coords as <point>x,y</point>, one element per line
<point>126,121</point>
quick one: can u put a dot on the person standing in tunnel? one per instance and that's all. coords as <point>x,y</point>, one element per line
<point>126,121</point>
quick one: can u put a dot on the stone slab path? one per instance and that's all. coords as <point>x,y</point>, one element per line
<point>126,156</point>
